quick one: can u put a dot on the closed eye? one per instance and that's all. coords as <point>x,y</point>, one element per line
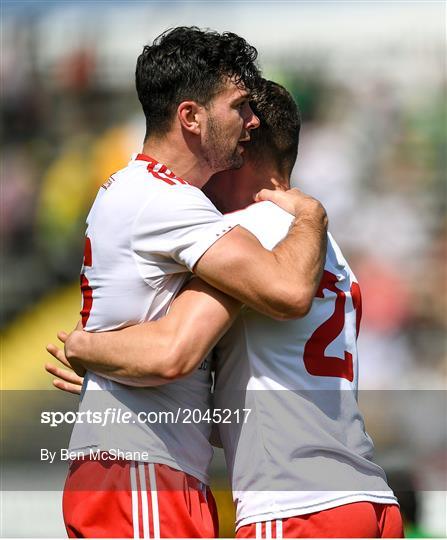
<point>241,104</point>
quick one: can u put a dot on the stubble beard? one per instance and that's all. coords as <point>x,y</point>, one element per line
<point>217,153</point>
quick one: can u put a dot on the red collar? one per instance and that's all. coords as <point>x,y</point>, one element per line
<point>158,169</point>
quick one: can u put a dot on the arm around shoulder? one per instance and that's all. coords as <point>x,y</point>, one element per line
<point>280,283</point>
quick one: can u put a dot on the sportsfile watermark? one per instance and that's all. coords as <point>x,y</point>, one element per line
<point>113,415</point>
<point>43,431</point>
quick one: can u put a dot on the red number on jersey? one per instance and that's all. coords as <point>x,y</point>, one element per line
<point>315,361</point>
<point>86,290</point>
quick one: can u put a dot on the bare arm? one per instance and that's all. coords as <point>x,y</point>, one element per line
<point>280,283</point>
<point>157,352</point>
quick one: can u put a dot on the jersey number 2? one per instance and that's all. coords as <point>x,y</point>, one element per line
<point>86,290</point>
<point>315,361</point>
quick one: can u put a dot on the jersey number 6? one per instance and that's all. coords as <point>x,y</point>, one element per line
<point>86,290</point>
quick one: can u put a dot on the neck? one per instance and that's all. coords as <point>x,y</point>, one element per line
<point>180,156</point>
<point>235,189</point>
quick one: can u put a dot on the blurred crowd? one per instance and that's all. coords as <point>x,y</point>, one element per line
<point>375,157</point>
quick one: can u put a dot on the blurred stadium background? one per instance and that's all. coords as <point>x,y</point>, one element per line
<point>370,79</point>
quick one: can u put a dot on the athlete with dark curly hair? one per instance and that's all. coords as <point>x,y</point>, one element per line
<point>149,227</point>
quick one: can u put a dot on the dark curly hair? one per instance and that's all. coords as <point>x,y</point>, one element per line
<point>187,63</point>
<point>278,135</point>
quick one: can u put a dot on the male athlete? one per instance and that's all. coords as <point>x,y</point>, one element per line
<point>149,227</point>
<point>301,464</point>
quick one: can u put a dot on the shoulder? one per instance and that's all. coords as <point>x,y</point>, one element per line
<point>267,221</point>
<point>264,210</point>
<point>137,181</point>
<point>175,207</point>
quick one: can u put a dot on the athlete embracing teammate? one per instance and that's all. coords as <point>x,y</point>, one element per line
<point>301,465</point>
<point>149,227</point>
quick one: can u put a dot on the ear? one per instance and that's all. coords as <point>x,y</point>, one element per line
<point>189,114</point>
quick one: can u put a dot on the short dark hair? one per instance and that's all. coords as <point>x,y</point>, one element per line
<point>277,137</point>
<point>187,63</point>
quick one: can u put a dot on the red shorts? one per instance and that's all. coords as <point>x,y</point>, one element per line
<point>130,499</point>
<point>355,520</point>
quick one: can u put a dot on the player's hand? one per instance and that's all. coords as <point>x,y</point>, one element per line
<point>293,201</point>
<point>62,357</point>
<point>67,380</point>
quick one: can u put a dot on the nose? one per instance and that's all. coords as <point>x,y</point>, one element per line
<point>252,121</point>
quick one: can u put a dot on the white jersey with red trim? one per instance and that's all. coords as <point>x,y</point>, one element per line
<point>300,446</point>
<point>147,228</point>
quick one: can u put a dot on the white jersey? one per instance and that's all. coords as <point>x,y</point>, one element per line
<point>303,447</point>
<point>146,229</point>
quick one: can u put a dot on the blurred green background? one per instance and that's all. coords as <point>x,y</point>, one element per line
<point>370,79</point>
